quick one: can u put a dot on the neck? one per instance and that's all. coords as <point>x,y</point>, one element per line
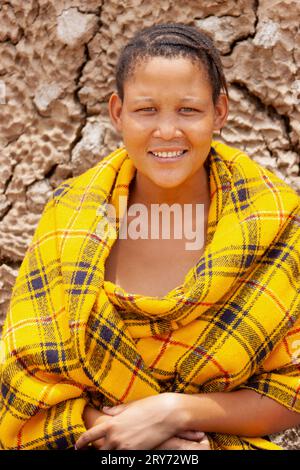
<point>195,190</point>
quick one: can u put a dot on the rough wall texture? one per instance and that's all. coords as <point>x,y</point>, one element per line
<point>57,61</point>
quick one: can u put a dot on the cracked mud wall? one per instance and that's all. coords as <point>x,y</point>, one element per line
<point>57,62</point>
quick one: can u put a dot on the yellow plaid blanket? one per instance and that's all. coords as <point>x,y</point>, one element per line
<point>72,338</point>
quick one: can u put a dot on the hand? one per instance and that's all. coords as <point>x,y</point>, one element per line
<point>92,417</point>
<point>142,424</point>
<point>186,442</point>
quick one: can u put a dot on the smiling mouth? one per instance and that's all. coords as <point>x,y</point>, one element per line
<point>169,156</point>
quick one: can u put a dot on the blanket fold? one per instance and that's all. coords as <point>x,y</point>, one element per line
<point>71,338</point>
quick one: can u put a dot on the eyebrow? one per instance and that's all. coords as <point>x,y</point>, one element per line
<point>148,98</point>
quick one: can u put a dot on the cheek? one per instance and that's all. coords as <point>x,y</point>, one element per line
<point>139,125</point>
<point>199,133</point>
<point>194,125</point>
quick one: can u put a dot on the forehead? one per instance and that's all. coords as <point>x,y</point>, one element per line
<point>168,76</point>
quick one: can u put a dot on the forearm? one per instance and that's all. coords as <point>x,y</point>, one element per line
<point>241,413</point>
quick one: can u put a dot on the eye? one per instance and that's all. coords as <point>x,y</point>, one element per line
<point>150,109</point>
<point>189,110</point>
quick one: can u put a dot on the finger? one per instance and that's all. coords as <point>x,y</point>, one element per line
<point>91,435</point>
<point>205,445</point>
<point>99,443</point>
<point>176,443</point>
<point>107,447</point>
<point>170,444</point>
<point>114,410</point>
<point>191,435</point>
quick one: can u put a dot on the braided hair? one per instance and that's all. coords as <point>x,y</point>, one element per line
<point>172,40</point>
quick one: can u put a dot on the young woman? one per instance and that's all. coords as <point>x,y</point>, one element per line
<point>197,348</point>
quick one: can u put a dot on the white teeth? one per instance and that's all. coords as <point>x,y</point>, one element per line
<point>168,154</point>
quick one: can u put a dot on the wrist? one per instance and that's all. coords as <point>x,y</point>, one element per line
<point>179,412</point>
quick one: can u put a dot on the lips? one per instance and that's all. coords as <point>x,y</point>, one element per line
<point>167,149</point>
<point>167,156</point>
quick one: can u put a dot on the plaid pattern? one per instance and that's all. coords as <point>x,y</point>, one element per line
<point>72,338</point>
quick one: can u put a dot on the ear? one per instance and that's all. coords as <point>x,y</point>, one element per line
<point>221,112</point>
<point>115,111</point>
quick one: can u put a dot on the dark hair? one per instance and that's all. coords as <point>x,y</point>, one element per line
<point>172,40</point>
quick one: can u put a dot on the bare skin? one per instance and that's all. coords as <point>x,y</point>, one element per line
<point>161,417</point>
<point>163,262</point>
<point>186,440</point>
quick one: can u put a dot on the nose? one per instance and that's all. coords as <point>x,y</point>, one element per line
<point>167,128</point>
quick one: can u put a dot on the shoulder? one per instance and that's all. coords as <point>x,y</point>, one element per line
<point>76,200</point>
<point>89,183</point>
<point>260,184</point>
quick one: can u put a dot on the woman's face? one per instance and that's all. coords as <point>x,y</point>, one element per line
<point>167,110</point>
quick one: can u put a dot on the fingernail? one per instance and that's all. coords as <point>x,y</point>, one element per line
<point>75,448</point>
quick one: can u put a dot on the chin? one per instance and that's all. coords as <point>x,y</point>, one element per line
<point>168,184</point>
<point>165,179</point>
